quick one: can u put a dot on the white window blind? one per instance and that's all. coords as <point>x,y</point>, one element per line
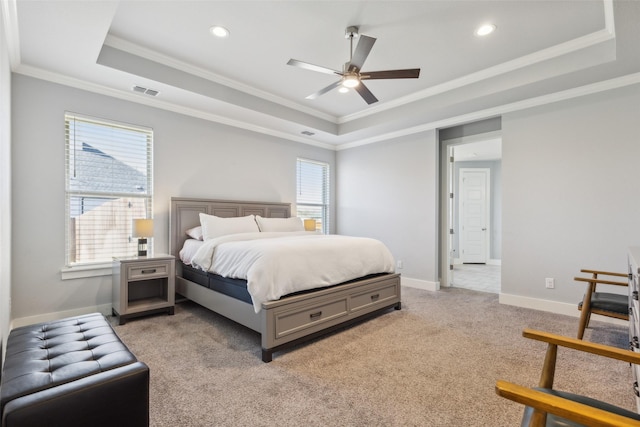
<point>108,183</point>
<point>313,192</point>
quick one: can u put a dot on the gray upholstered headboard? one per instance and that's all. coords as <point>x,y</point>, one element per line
<point>185,215</point>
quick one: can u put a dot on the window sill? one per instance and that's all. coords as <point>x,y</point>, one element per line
<point>83,271</point>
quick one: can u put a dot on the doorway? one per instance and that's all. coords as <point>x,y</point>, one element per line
<point>472,181</point>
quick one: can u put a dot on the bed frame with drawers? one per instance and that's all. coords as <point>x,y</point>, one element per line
<point>291,319</point>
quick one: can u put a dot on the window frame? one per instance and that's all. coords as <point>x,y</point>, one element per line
<point>98,266</point>
<point>325,205</point>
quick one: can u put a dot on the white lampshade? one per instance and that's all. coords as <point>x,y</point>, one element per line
<point>310,224</point>
<point>142,228</point>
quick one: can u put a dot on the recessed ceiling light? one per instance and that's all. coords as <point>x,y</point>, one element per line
<point>485,29</point>
<point>218,31</point>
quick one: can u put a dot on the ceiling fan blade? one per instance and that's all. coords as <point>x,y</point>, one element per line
<point>312,67</point>
<point>325,90</point>
<point>412,73</point>
<point>362,51</point>
<point>366,94</point>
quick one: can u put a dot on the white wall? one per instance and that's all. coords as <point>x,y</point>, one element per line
<point>389,191</point>
<point>192,158</point>
<point>571,194</point>
<point>5,192</point>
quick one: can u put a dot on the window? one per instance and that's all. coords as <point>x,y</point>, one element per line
<point>108,183</point>
<point>313,192</point>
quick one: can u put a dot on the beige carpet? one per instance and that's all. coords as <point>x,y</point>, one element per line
<point>434,363</point>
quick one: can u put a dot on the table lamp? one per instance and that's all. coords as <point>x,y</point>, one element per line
<point>142,229</point>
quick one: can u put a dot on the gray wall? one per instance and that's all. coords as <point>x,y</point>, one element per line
<point>570,190</point>
<point>389,191</point>
<point>192,158</point>
<point>571,193</point>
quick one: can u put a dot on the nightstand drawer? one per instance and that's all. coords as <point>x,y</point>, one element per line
<point>148,271</point>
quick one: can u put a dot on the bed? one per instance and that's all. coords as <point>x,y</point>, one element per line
<point>291,319</point>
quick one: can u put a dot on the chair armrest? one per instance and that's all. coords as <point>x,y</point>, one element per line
<point>606,273</point>
<point>585,346</point>
<point>602,281</point>
<point>564,408</point>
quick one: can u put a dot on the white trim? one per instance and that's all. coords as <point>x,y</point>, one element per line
<point>458,261</point>
<point>38,73</point>
<point>134,49</point>
<point>104,309</point>
<point>553,307</point>
<point>80,272</point>
<point>9,11</point>
<point>589,89</point>
<point>618,82</point>
<point>425,285</point>
<point>565,48</point>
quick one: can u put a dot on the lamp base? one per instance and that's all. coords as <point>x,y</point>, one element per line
<point>142,247</point>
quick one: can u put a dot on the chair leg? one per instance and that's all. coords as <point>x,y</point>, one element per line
<point>584,321</point>
<point>585,316</point>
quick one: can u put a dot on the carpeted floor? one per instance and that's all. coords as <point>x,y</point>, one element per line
<point>434,363</point>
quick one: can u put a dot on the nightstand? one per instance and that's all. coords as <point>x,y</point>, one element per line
<point>143,285</point>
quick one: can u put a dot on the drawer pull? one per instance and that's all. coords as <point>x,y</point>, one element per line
<point>316,315</point>
<point>148,271</point>
<point>375,297</point>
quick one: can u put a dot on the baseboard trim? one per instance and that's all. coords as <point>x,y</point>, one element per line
<point>419,284</point>
<point>105,309</point>
<point>553,307</point>
<point>458,261</point>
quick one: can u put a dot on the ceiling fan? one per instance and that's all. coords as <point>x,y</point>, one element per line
<point>352,74</point>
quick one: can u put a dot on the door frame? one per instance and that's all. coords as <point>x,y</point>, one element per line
<point>446,172</point>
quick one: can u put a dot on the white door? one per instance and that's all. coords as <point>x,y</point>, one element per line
<point>474,214</point>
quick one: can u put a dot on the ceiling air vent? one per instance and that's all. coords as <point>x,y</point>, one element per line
<point>150,92</point>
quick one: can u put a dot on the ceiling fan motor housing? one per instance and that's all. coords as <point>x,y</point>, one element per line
<point>351,32</point>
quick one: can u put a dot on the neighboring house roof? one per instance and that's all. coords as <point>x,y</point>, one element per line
<point>96,171</point>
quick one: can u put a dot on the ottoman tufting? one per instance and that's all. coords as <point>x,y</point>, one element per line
<point>72,372</point>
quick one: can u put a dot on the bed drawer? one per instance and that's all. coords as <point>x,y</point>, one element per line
<point>290,322</point>
<point>374,297</point>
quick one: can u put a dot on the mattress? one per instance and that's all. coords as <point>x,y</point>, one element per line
<point>237,288</point>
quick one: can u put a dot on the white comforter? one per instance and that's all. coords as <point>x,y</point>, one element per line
<point>279,263</point>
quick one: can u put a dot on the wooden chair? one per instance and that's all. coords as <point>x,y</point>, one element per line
<point>603,303</point>
<point>548,407</point>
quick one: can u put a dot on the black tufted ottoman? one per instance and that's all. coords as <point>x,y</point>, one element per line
<point>72,372</point>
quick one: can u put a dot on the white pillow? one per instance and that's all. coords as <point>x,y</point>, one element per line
<point>195,233</point>
<point>215,226</point>
<point>280,224</point>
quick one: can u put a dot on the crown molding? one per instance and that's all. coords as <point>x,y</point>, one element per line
<point>9,12</point>
<point>506,67</point>
<point>134,49</point>
<point>151,102</point>
<point>577,92</point>
<point>593,88</point>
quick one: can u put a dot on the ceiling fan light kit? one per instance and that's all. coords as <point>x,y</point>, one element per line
<point>352,74</point>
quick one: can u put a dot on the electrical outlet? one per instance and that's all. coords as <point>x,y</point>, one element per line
<point>550,282</point>
<point>399,265</point>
